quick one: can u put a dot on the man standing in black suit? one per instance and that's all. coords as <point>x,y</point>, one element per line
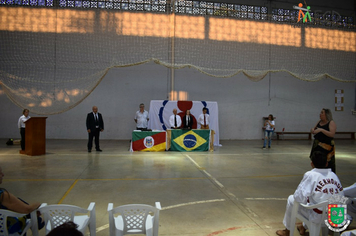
<point>95,125</point>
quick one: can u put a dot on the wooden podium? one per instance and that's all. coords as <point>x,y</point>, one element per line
<point>35,136</point>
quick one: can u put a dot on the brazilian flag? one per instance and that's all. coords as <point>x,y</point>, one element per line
<point>192,140</point>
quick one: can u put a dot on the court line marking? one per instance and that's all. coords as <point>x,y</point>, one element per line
<point>98,229</point>
<point>267,199</point>
<point>194,178</point>
<point>205,172</point>
<point>68,191</point>
<point>227,230</point>
<point>229,194</point>
<point>192,203</point>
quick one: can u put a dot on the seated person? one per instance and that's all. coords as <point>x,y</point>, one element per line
<point>67,229</point>
<point>9,202</point>
<point>175,121</point>
<point>310,191</point>
<point>188,120</point>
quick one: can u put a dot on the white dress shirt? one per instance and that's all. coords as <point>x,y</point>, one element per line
<point>22,120</point>
<point>141,118</point>
<point>171,121</point>
<point>201,119</point>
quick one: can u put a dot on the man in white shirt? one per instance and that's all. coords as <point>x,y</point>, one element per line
<point>21,125</point>
<point>175,121</point>
<point>141,118</point>
<point>317,185</point>
<point>204,119</point>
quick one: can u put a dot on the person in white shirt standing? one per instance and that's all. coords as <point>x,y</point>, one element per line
<point>269,128</point>
<point>21,125</point>
<point>141,118</point>
<point>175,121</point>
<point>204,119</point>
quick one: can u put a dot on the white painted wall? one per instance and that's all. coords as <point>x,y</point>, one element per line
<point>242,103</point>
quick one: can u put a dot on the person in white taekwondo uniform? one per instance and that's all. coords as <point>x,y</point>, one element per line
<point>317,185</point>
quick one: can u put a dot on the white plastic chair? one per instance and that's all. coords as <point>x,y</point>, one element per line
<point>134,219</point>
<point>349,233</point>
<point>56,215</point>
<point>314,228</point>
<point>353,206</point>
<point>30,223</point>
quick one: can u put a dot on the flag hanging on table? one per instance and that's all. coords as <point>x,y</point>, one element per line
<point>192,140</point>
<point>148,141</point>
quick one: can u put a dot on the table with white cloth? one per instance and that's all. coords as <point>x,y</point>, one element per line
<point>161,110</point>
<point>172,140</point>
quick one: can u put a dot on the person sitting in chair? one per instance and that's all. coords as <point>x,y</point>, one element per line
<point>9,202</point>
<point>314,188</point>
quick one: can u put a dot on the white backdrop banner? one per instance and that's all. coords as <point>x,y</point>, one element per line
<point>161,110</point>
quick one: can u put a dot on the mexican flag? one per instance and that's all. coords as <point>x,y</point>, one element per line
<point>192,140</point>
<point>148,141</point>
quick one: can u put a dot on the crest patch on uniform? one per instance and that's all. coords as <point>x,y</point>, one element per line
<point>337,214</point>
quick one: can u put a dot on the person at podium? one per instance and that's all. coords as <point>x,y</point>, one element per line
<point>188,120</point>
<point>175,121</point>
<point>95,125</point>
<point>21,125</point>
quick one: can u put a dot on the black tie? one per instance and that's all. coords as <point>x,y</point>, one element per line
<point>96,119</point>
<point>175,120</point>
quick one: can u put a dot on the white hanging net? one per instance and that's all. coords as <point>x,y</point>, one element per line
<point>52,59</point>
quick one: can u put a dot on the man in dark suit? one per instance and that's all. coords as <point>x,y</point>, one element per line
<point>95,125</point>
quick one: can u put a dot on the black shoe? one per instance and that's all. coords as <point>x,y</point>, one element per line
<point>269,146</point>
<point>263,147</point>
<point>99,150</point>
<point>89,150</point>
<point>40,222</point>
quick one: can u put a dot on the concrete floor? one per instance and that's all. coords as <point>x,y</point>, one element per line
<point>239,189</point>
